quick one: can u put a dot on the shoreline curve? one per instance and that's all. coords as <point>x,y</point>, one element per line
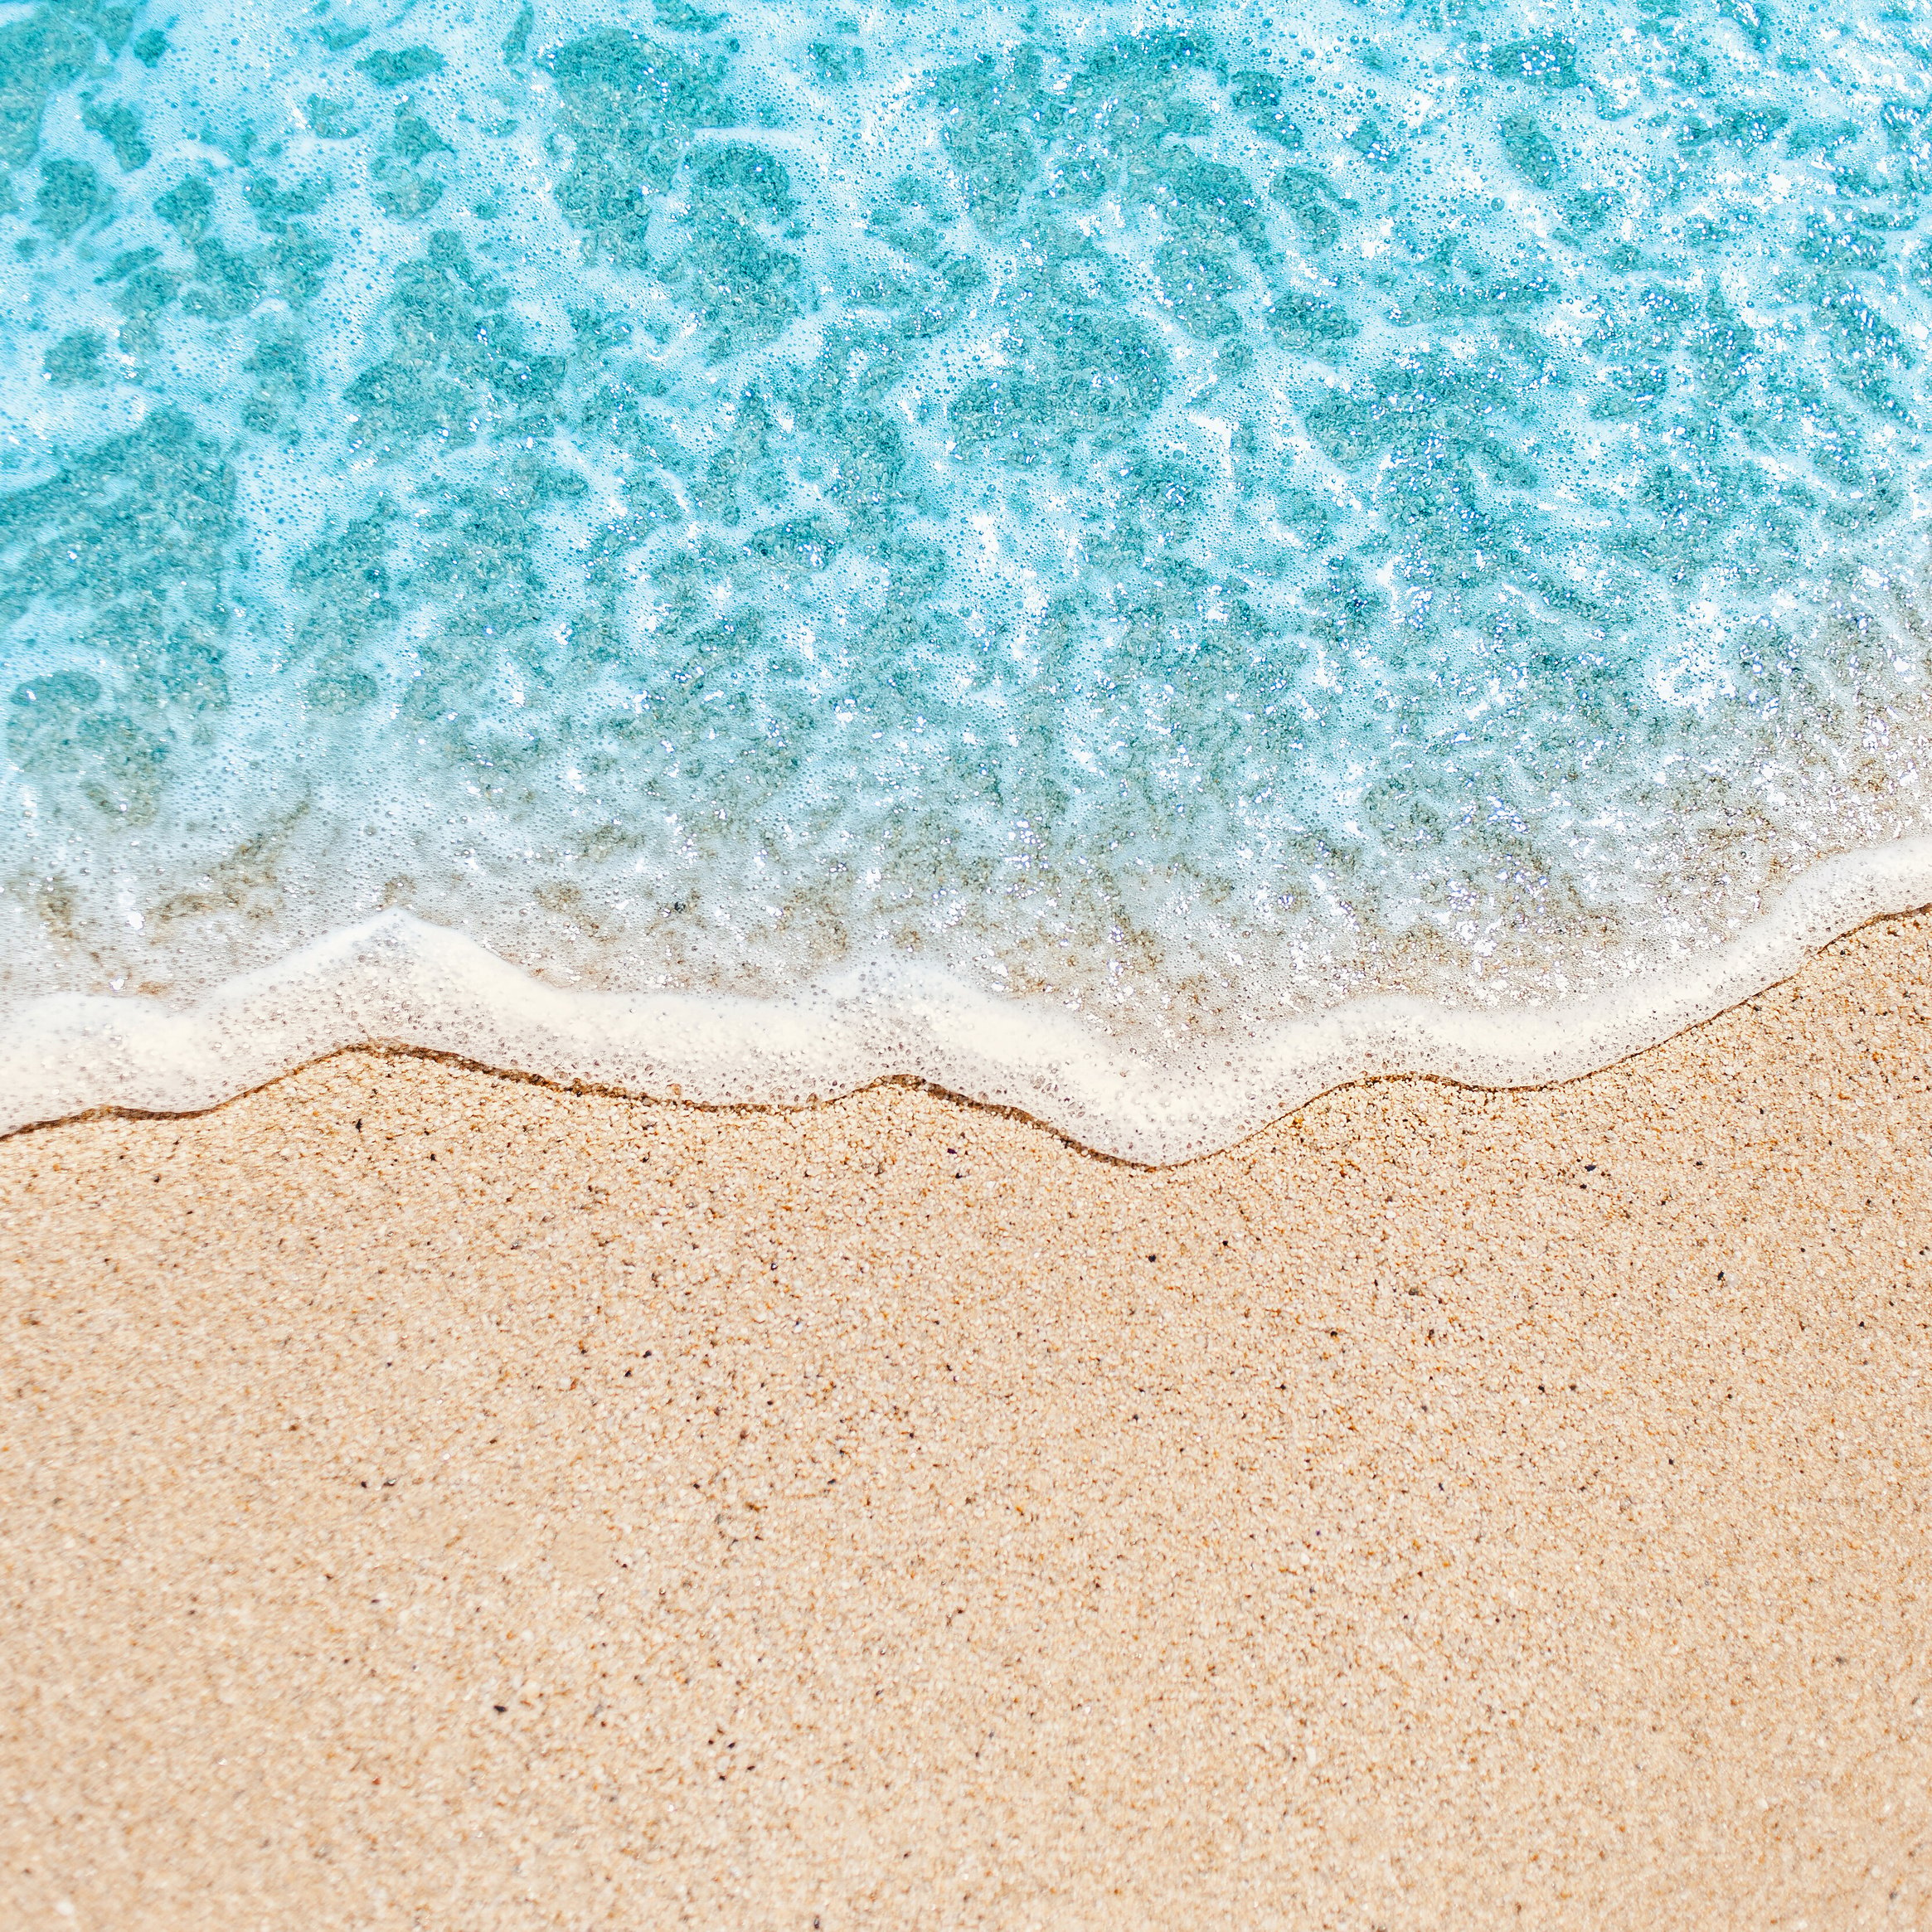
<point>395,981</point>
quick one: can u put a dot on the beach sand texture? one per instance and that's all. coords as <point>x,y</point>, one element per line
<point>434,1500</point>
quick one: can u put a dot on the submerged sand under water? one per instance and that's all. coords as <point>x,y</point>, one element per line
<point>435,1499</point>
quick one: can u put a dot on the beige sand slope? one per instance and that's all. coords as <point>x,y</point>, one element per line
<point>432,1500</point>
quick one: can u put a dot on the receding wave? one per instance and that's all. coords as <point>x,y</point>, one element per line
<point>1192,551</point>
<point>396,982</point>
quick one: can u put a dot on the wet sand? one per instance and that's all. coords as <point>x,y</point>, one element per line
<point>430,1499</point>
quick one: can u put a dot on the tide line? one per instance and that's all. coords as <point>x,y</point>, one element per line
<point>395,981</point>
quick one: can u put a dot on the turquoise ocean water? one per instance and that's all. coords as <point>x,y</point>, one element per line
<point>1132,559</point>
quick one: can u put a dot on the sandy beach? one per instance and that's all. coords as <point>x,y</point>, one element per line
<point>431,1499</point>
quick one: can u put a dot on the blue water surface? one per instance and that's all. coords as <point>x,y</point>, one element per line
<point>1187,513</point>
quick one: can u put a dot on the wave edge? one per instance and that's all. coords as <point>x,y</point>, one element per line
<point>395,981</point>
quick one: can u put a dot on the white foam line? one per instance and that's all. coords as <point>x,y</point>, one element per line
<point>395,981</point>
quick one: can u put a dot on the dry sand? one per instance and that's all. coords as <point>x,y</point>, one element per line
<point>434,1500</point>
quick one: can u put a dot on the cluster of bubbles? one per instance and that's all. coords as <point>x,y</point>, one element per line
<point>1185,514</point>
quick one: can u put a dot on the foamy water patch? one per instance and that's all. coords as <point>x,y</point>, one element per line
<point>395,982</point>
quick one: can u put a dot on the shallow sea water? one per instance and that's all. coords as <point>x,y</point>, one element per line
<point>1143,526</point>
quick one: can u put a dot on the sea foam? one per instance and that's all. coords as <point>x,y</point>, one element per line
<point>1131,562</point>
<point>395,982</point>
